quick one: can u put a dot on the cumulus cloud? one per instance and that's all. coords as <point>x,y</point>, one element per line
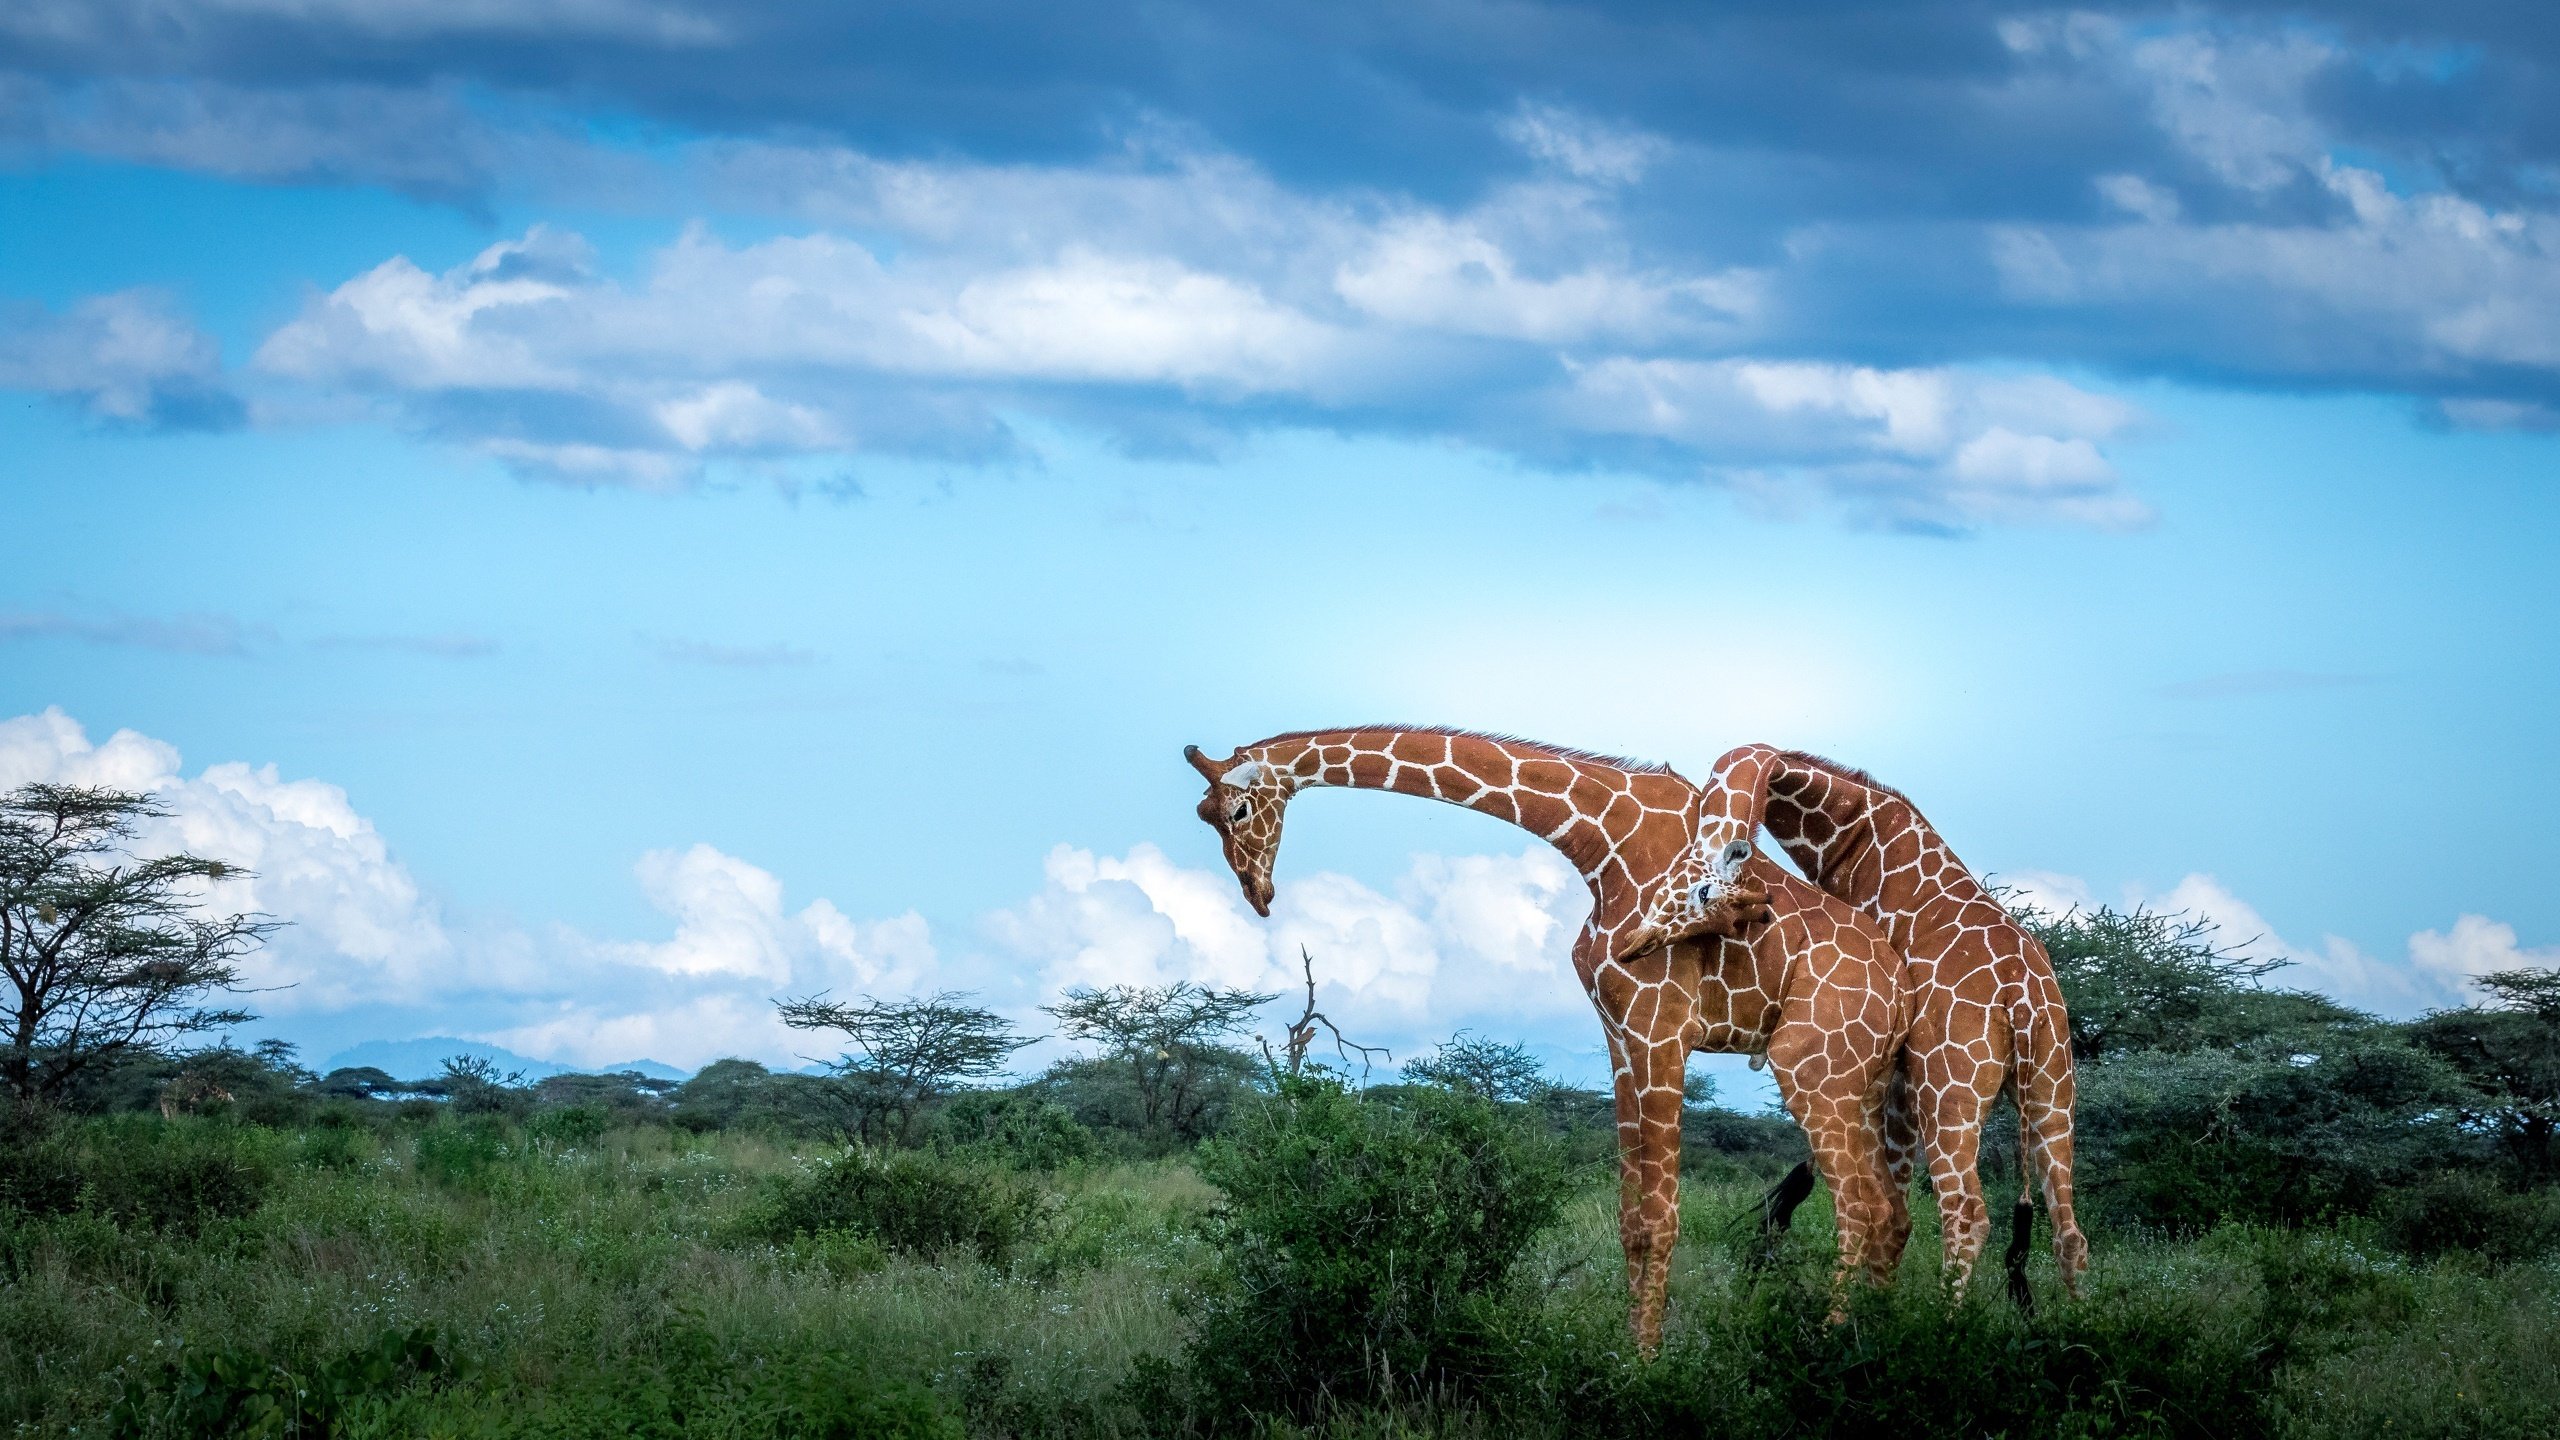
<point>1457,940</point>
<point>1478,940</point>
<point>361,929</point>
<point>708,989</point>
<point>1919,446</point>
<point>2432,290</point>
<point>129,358</point>
<point>1464,940</point>
<point>2435,973</point>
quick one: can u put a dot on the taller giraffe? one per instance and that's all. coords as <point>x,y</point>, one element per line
<point>1820,990</point>
<point>1987,1012</point>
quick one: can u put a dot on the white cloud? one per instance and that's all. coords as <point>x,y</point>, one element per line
<point>2238,104</point>
<point>2476,946</point>
<point>731,924</point>
<point>361,930</point>
<point>1918,443</point>
<point>127,358</point>
<point>479,325</point>
<point>2430,282</point>
<point>1481,937</point>
<point>2326,269</point>
<point>2436,972</point>
<point>1434,272</point>
<point>1583,147</point>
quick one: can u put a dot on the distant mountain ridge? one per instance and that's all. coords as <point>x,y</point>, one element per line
<point>424,1058</point>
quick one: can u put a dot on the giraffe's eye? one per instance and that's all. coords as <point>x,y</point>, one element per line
<point>1243,808</point>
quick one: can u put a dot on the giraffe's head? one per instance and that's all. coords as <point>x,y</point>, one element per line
<point>1246,800</point>
<point>1708,891</point>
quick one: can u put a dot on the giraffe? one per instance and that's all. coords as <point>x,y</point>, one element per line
<point>1817,989</point>
<point>1986,1014</point>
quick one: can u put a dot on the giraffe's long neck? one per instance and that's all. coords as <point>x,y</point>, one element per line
<point>1864,843</point>
<point>1616,824</point>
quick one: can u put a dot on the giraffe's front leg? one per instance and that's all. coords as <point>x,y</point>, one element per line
<point>1632,1241</point>
<point>1647,1014</point>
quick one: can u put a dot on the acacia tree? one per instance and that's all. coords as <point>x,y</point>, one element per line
<point>910,1052</point>
<point>1170,1037</point>
<point>2509,1049</point>
<point>1491,1069</point>
<point>103,955</point>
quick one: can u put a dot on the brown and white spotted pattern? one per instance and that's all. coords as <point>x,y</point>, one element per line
<point>1986,1011</point>
<point>1819,991</point>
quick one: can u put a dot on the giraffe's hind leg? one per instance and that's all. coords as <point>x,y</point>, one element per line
<point>1952,1111</point>
<point>2047,1088</point>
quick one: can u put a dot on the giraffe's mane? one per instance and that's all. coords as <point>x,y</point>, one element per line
<point>1850,773</point>
<point>1560,752</point>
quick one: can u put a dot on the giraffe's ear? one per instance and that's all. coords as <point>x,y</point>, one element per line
<point>1246,775</point>
<point>1729,860</point>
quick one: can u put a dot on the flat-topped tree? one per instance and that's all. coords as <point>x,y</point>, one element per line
<point>104,955</point>
<point>907,1053</point>
<point>1171,1038</point>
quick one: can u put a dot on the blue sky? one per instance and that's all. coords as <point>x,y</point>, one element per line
<point>697,505</point>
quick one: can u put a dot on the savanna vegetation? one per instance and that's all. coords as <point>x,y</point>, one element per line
<point>2307,1221</point>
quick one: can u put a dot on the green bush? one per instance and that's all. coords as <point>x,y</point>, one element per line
<point>678,1384</point>
<point>1020,1130</point>
<point>2468,1210</point>
<point>1907,1363</point>
<point>2183,1141</point>
<point>1359,1243</point>
<point>743,1095</point>
<point>236,1391</point>
<point>332,1147</point>
<point>144,1172</point>
<point>39,1172</point>
<point>910,1201</point>
<point>570,1124</point>
<point>469,1152</point>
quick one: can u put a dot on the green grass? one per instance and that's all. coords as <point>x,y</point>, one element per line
<point>609,1285</point>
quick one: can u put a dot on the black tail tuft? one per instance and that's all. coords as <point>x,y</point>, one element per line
<point>1778,1208</point>
<point>2022,1232</point>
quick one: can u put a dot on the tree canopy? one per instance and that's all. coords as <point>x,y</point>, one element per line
<point>104,954</point>
<point>907,1052</point>
<point>1169,1038</point>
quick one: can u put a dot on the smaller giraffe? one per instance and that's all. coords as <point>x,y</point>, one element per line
<point>1816,990</point>
<point>1986,1012</point>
